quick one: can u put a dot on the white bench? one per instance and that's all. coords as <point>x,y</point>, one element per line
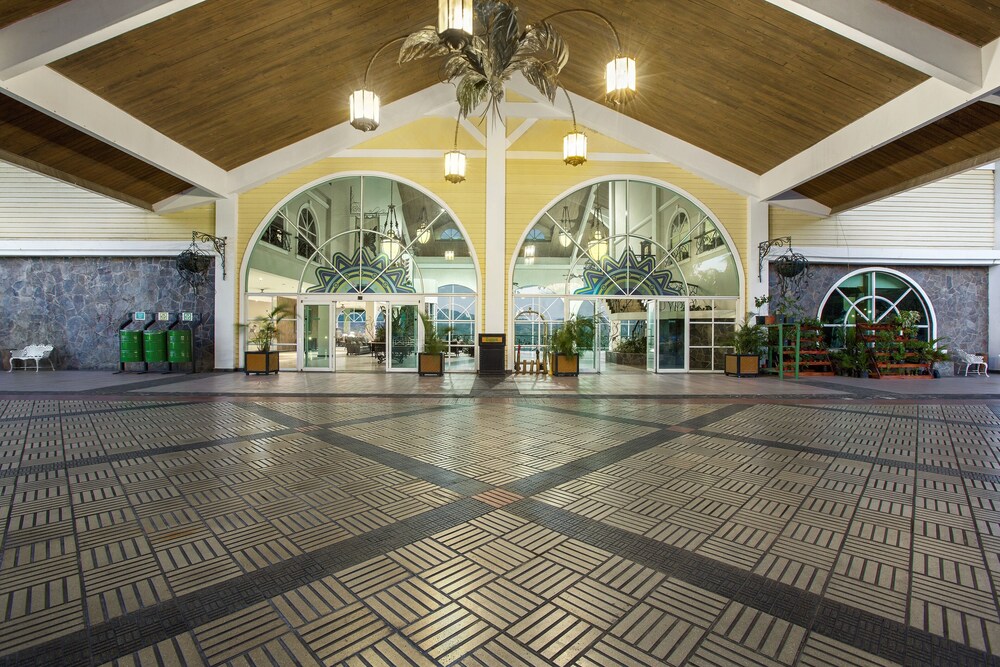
<point>28,353</point>
<point>977,362</point>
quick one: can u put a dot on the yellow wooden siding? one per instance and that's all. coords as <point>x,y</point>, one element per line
<point>547,135</point>
<point>38,207</point>
<point>955,212</point>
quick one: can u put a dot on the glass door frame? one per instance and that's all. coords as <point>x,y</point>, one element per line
<point>333,300</point>
<point>653,309</point>
<point>401,301</point>
<point>300,333</point>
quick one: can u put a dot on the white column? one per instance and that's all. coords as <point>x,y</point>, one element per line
<point>226,291</point>
<point>496,225</point>
<point>758,229</point>
<point>993,288</point>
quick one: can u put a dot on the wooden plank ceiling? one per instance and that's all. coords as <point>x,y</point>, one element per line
<point>236,79</point>
<point>965,139</point>
<point>12,11</point>
<point>975,21</point>
<point>36,141</point>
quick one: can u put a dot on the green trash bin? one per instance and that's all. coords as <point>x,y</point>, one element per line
<point>179,346</point>
<point>155,346</point>
<point>130,347</point>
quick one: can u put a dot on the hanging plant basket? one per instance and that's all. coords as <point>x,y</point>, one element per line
<point>191,261</point>
<point>790,266</point>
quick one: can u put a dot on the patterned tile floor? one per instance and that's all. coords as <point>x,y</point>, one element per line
<point>486,529</point>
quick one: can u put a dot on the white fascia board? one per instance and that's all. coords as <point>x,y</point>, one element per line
<point>894,255</point>
<point>86,248</point>
<point>921,105</point>
<point>338,138</point>
<point>631,132</point>
<point>896,35</point>
<point>55,95</point>
<point>74,26</point>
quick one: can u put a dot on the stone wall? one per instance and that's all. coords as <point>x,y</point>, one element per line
<point>77,303</point>
<point>958,294</point>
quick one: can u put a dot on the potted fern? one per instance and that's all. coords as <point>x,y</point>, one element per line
<point>747,341</point>
<point>564,356</point>
<point>431,360</point>
<point>262,332</point>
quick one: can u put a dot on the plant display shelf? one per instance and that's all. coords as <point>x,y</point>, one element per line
<point>799,351</point>
<point>884,363</point>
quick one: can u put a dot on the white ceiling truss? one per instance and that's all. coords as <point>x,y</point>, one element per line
<point>960,74</point>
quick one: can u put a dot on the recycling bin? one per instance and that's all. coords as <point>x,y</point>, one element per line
<point>154,345</point>
<point>130,347</point>
<point>179,346</point>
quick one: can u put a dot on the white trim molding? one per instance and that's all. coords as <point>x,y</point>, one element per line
<point>87,248</point>
<point>897,256</point>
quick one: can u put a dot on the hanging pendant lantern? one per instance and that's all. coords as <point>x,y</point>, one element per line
<point>565,224</point>
<point>455,22</point>
<point>391,246</point>
<point>575,148</point>
<point>620,79</point>
<point>454,166</point>
<point>423,227</point>
<point>364,110</point>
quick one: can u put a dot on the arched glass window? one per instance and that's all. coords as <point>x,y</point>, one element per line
<point>627,238</point>
<point>680,236</point>
<point>275,233</point>
<point>874,295</point>
<point>308,237</point>
<point>369,242</point>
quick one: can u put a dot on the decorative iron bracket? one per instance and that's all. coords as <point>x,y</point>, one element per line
<point>218,243</point>
<point>765,247</point>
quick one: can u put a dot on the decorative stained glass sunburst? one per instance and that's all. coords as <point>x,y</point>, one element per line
<point>364,271</point>
<point>627,275</point>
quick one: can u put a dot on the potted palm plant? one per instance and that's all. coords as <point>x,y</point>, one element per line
<point>262,332</point>
<point>564,356</point>
<point>747,341</point>
<point>431,360</point>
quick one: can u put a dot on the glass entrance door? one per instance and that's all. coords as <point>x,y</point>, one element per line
<point>404,336</point>
<point>671,335</point>
<point>316,338</point>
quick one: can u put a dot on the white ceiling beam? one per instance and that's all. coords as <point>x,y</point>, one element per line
<point>74,26</point>
<point>55,95</point>
<point>631,132</point>
<point>539,110</point>
<point>896,35</point>
<point>794,201</point>
<point>921,105</point>
<point>184,200</point>
<point>338,138</point>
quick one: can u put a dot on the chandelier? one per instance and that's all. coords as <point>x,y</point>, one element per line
<point>598,246</point>
<point>480,64</point>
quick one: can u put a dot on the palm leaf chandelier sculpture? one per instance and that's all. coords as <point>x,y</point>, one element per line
<point>480,64</point>
<point>485,62</point>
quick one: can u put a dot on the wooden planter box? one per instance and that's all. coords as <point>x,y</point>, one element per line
<point>261,362</point>
<point>429,363</point>
<point>563,365</point>
<point>743,365</point>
